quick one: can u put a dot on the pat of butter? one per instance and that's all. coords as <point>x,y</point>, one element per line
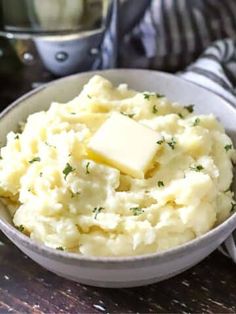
<point>125,144</point>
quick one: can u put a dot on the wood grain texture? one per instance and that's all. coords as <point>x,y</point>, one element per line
<point>25,287</point>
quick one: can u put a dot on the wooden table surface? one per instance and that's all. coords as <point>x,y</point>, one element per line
<point>25,287</point>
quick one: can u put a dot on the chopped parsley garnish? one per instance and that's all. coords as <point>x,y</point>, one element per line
<point>21,228</point>
<point>197,168</point>
<point>159,95</point>
<point>160,184</point>
<point>89,96</point>
<point>17,137</point>
<point>228,147</point>
<point>34,160</point>
<point>190,108</point>
<point>154,109</point>
<point>172,143</point>
<point>72,113</point>
<point>136,211</point>
<point>130,115</point>
<point>196,122</point>
<point>40,174</point>
<point>50,145</point>
<point>87,168</point>
<point>59,248</point>
<point>97,210</point>
<point>233,206</point>
<point>68,169</point>
<point>147,95</point>
<point>0,157</point>
<point>161,141</point>
<point>180,115</point>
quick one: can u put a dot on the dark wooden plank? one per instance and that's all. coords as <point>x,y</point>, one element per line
<point>4,308</point>
<point>26,287</point>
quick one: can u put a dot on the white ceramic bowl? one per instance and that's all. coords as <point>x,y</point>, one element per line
<point>128,271</point>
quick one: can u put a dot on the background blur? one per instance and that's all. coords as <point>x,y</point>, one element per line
<point>41,40</point>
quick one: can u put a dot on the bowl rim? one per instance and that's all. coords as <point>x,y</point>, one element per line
<point>40,248</point>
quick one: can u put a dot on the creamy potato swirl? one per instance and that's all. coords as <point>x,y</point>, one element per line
<point>58,195</point>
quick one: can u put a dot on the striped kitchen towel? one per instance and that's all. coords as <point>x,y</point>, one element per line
<point>215,70</point>
<point>164,34</point>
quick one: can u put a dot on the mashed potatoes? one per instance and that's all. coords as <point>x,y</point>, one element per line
<point>60,196</point>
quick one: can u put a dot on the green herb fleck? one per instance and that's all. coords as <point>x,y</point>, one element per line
<point>68,169</point>
<point>154,109</point>
<point>60,248</point>
<point>159,95</point>
<point>0,157</point>
<point>190,108</point>
<point>89,96</point>
<point>160,184</point>
<point>172,143</point>
<point>196,122</point>
<point>136,211</point>
<point>197,168</point>
<point>40,174</point>
<point>17,137</point>
<point>21,228</point>
<point>130,115</point>
<point>87,168</point>
<point>233,206</point>
<point>97,210</point>
<point>34,160</point>
<point>73,113</point>
<point>180,115</point>
<point>161,141</point>
<point>147,95</point>
<point>46,143</point>
<point>228,147</point>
